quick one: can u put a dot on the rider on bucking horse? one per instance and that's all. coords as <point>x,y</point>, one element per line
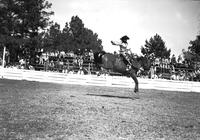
<point>123,49</point>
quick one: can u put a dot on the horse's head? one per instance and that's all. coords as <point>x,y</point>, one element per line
<point>98,57</point>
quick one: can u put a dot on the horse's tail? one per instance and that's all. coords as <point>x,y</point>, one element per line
<point>98,57</point>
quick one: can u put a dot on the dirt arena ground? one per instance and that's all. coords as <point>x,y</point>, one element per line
<point>44,111</point>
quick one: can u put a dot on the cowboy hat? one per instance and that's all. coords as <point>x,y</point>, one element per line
<point>124,39</point>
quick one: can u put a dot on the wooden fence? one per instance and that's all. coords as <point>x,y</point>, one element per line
<point>111,81</point>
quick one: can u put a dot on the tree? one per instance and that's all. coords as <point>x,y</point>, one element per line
<point>21,21</point>
<point>52,38</point>
<point>91,40</point>
<point>74,36</point>
<point>155,48</point>
<point>145,63</point>
<point>192,55</point>
<point>35,17</point>
<point>9,20</point>
<point>66,38</point>
<point>194,48</point>
<point>83,38</point>
<point>76,26</point>
<point>56,40</point>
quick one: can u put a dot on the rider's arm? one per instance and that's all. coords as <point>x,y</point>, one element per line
<point>115,43</point>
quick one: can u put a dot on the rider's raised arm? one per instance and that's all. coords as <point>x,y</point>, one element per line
<point>115,43</point>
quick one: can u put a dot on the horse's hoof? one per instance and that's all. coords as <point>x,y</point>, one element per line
<point>136,90</point>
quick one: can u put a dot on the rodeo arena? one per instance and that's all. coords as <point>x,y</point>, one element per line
<point>63,96</point>
<point>71,68</point>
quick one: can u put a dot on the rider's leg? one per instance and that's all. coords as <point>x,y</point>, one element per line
<point>128,62</point>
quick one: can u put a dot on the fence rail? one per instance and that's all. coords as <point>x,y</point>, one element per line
<point>111,81</point>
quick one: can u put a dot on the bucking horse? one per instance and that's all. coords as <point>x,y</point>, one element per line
<point>117,63</point>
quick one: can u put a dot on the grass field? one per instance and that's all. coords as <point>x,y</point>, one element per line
<point>46,111</point>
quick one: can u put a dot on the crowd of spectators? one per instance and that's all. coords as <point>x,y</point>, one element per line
<point>170,69</point>
<point>82,63</point>
<point>70,62</point>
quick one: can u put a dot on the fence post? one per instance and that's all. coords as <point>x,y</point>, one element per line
<point>4,54</point>
<point>89,72</point>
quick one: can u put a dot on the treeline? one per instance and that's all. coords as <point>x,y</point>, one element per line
<point>26,28</point>
<point>155,48</point>
<point>72,37</point>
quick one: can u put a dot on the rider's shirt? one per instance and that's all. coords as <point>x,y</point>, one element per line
<point>123,50</point>
<point>123,47</point>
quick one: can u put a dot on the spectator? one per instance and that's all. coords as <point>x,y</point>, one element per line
<point>51,65</point>
<point>22,63</point>
<point>157,62</point>
<point>41,60</point>
<point>31,67</point>
<point>65,66</point>
<point>173,76</point>
<point>70,54</point>
<point>80,71</point>
<point>173,60</point>
<point>91,55</point>
<point>46,64</point>
<point>80,61</point>
<point>180,59</point>
<point>60,65</point>
<point>152,72</point>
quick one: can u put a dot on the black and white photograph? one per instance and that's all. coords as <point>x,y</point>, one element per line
<point>99,69</point>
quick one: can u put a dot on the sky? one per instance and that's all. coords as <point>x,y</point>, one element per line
<point>176,21</point>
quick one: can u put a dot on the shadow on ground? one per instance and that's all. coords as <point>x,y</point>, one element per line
<point>112,96</point>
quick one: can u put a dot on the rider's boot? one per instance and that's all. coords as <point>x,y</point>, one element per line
<point>128,67</point>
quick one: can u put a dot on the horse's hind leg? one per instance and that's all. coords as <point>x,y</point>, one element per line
<point>136,84</point>
<point>133,76</point>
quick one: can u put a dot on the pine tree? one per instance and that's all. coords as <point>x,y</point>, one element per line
<point>155,48</point>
